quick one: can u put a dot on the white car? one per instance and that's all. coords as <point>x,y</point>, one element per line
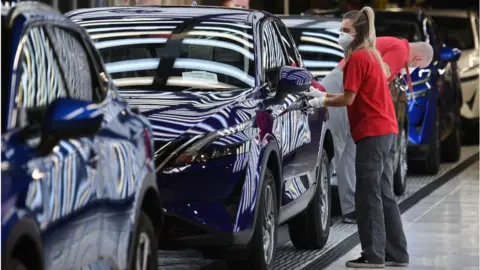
<point>459,28</point>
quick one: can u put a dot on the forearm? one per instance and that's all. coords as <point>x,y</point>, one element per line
<point>336,100</point>
<point>331,95</point>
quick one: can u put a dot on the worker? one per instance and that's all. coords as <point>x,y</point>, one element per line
<point>373,126</point>
<point>399,56</point>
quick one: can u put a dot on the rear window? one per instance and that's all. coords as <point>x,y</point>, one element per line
<point>456,32</point>
<point>400,29</point>
<point>319,49</point>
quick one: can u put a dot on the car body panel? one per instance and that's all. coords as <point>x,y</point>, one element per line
<point>213,201</point>
<point>468,64</point>
<point>73,192</point>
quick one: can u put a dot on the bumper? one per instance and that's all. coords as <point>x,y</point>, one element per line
<point>182,232</point>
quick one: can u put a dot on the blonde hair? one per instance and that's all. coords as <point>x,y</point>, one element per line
<point>364,23</point>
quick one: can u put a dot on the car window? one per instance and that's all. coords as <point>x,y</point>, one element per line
<point>273,57</point>
<point>456,32</point>
<point>5,74</point>
<point>319,49</point>
<point>75,64</point>
<point>39,79</point>
<point>288,43</point>
<point>175,55</point>
<point>409,30</point>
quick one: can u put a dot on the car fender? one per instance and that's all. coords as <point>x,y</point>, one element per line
<point>149,182</point>
<point>248,206</point>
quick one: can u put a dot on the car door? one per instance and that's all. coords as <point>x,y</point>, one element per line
<point>119,148</point>
<point>289,125</point>
<point>306,150</point>
<point>63,185</point>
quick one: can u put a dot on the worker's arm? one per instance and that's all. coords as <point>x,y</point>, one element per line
<point>340,100</point>
<point>394,53</point>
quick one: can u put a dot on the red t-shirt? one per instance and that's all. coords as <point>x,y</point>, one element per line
<point>372,112</point>
<point>394,53</point>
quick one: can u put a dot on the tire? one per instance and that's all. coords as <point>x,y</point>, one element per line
<point>145,239</point>
<point>452,145</point>
<point>432,162</point>
<point>470,128</point>
<point>400,175</point>
<point>310,229</point>
<point>14,264</point>
<point>259,257</point>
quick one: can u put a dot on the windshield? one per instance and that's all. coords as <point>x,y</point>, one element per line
<point>456,32</point>
<point>400,29</point>
<point>319,49</point>
<point>176,55</point>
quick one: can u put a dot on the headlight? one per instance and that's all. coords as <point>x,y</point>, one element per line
<point>201,148</point>
<point>207,154</point>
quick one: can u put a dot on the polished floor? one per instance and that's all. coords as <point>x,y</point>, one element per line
<point>443,228</point>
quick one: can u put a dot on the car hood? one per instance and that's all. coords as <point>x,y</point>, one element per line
<point>175,115</point>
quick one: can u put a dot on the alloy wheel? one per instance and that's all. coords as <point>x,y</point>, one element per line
<point>323,185</point>
<point>268,225</point>
<point>143,253</point>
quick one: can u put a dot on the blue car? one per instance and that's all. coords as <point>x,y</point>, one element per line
<point>78,180</point>
<point>238,150</point>
<point>434,106</point>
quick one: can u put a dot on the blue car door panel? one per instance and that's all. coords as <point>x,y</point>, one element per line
<point>62,183</point>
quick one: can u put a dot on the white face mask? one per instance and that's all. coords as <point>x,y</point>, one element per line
<point>410,70</point>
<point>344,40</point>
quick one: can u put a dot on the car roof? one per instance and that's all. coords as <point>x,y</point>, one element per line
<point>238,15</point>
<point>456,13</point>
<point>35,11</point>
<point>313,22</point>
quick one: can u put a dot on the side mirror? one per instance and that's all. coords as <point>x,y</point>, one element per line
<point>450,54</point>
<point>70,118</point>
<point>293,80</point>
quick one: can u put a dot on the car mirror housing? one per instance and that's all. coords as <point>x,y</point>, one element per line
<point>450,54</point>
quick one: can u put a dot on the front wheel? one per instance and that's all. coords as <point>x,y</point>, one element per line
<point>311,228</point>
<point>400,176</point>
<point>261,251</point>
<point>145,245</point>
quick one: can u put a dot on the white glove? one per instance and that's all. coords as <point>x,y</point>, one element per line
<point>314,92</point>
<point>318,102</point>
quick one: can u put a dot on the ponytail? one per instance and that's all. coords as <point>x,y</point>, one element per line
<point>372,37</point>
<point>364,24</point>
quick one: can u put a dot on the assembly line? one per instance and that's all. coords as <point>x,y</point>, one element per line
<point>205,137</point>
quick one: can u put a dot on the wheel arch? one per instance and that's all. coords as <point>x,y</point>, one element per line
<point>24,243</point>
<point>328,145</point>
<point>147,200</point>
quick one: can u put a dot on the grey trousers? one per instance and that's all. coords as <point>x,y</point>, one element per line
<point>378,217</point>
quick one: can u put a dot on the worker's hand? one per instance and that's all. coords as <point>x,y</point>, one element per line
<point>318,102</point>
<point>314,92</point>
